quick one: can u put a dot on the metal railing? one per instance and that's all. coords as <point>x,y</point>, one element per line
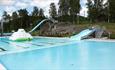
<point>2,21</point>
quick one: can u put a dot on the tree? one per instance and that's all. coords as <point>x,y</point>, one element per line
<point>90,9</point>
<point>63,7</point>
<point>35,11</point>
<point>96,10</point>
<point>41,12</point>
<point>74,8</point>
<point>52,10</point>
<point>6,18</point>
<point>111,5</point>
<point>14,21</point>
<point>23,16</point>
<point>69,9</point>
<point>14,15</point>
<point>23,12</point>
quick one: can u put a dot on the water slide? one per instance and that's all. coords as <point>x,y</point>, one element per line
<point>83,34</point>
<point>38,25</point>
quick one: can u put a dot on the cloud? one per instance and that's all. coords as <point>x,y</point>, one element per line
<point>83,12</point>
<point>44,4</point>
<point>21,5</point>
<point>13,5</point>
<point>10,9</point>
<point>7,2</point>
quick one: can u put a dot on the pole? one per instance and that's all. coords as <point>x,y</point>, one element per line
<point>108,12</point>
<point>2,28</point>
<point>78,18</point>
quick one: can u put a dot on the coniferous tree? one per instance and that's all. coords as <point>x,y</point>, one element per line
<point>111,6</point>
<point>6,16</point>
<point>23,12</point>
<point>23,15</point>
<point>41,13</point>
<point>6,20</point>
<point>52,10</point>
<point>69,8</point>
<point>14,15</point>
<point>63,7</point>
<point>35,11</point>
<point>96,10</point>
<point>14,21</point>
<point>90,9</point>
<point>74,8</point>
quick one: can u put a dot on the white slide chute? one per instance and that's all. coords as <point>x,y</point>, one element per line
<point>83,34</point>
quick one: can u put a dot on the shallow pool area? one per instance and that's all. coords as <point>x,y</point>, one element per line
<point>57,54</point>
<point>37,43</point>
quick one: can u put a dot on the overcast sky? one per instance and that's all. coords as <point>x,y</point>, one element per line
<point>14,5</point>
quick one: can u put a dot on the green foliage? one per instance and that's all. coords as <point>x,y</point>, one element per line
<point>63,7</point>
<point>69,8</point>
<point>53,11</point>
<point>14,21</point>
<point>97,10</point>
<point>112,36</point>
<point>21,19</point>
<point>23,15</point>
<point>41,13</point>
<point>35,11</point>
<point>23,12</point>
<point>111,10</point>
<point>6,18</point>
<point>74,7</point>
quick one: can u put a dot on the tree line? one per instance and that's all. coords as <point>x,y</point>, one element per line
<point>68,11</point>
<point>101,10</point>
<point>22,19</point>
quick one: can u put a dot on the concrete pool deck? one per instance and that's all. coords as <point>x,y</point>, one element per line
<point>101,40</point>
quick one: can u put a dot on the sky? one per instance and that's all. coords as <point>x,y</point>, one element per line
<point>14,5</point>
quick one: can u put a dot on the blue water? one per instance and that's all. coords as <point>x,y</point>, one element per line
<point>82,55</point>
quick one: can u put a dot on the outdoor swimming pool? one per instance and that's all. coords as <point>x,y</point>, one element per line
<point>57,54</point>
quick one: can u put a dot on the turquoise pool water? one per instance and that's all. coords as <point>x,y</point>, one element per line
<point>57,54</point>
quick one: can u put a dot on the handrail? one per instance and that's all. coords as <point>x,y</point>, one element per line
<point>39,25</point>
<point>2,49</point>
